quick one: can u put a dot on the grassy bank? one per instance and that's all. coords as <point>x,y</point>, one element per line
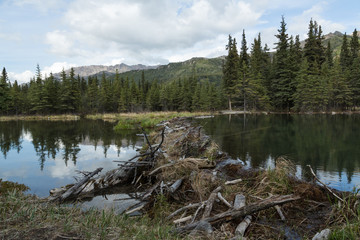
<point>28,217</point>
<point>61,117</point>
<point>146,120</point>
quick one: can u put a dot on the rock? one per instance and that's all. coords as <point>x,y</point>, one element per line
<point>323,235</point>
<point>203,228</point>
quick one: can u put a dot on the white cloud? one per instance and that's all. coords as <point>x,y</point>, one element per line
<point>60,43</point>
<point>150,31</point>
<point>27,75</point>
<point>57,67</point>
<point>299,24</point>
<point>21,77</point>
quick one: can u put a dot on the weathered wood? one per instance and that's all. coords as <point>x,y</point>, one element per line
<point>197,212</point>
<point>278,209</point>
<point>203,228</point>
<point>323,235</point>
<point>327,188</point>
<point>147,139</point>
<point>242,212</point>
<point>210,202</point>
<point>239,201</point>
<point>191,205</point>
<point>175,185</point>
<point>223,200</point>
<point>135,209</point>
<point>233,182</point>
<point>150,191</point>
<point>161,167</point>
<point>182,219</point>
<point>241,228</point>
<point>74,188</point>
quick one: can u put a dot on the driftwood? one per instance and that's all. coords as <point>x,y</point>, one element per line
<point>204,228</point>
<point>210,203</point>
<point>327,188</point>
<point>240,201</point>
<point>175,185</point>
<point>242,212</point>
<point>184,219</point>
<point>135,209</point>
<point>323,235</point>
<point>191,205</point>
<point>76,187</point>
<point>150,191</point>
<point>241,228</point>
<point>233,182</point>
<point>221,198</point>
<point>278,209</point>
<point>197,211</point>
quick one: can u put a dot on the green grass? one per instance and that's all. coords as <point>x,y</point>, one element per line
<point>148,120</point>
<point>24,216</point>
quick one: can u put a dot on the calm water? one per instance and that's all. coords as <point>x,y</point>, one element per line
<point>44,155</point>
<point>329,143</point>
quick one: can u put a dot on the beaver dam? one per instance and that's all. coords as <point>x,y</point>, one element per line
<point>208,195</point>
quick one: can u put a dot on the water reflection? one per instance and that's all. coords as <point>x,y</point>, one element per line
<point>329,143</point>
<point>44,154</point>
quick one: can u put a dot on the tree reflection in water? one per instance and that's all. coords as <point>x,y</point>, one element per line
<point>62,137</point>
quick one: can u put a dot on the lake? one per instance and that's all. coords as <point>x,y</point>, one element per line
<point>46,154</point>
<point>329,143</point>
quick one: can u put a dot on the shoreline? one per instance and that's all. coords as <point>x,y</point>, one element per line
<point>118,116</point>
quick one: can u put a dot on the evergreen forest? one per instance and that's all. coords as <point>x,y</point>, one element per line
<point>296,77</point>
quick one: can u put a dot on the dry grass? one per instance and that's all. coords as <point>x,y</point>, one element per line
<point>62,117</point>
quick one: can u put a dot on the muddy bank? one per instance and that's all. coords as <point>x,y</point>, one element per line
<point>184,179</point>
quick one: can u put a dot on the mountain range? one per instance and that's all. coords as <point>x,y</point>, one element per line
<point>210,68</point>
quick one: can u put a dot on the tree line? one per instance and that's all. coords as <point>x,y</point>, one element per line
<point>294,78</point>
<point>75,94</point>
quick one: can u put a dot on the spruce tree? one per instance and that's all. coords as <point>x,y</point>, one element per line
<point>230,70</point>
<point>281,82</point>
<point>5,98</point>
<point>345,58</point>
<point>354,46</point>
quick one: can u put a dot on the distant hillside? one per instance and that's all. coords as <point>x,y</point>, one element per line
<point>210,68</point>
<point>85,71</point>
<point>335,39</point>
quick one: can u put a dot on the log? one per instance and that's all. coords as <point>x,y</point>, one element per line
<point>241,228</point>
<point>223,200</point>
<point>175,185</point>
<point>74,188</point>
<point>210,202</point>
<point>242,212</point>
<point>233,182</point>
<point>239,201</point>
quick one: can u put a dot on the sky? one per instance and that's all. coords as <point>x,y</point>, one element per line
<point>59,34</point>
